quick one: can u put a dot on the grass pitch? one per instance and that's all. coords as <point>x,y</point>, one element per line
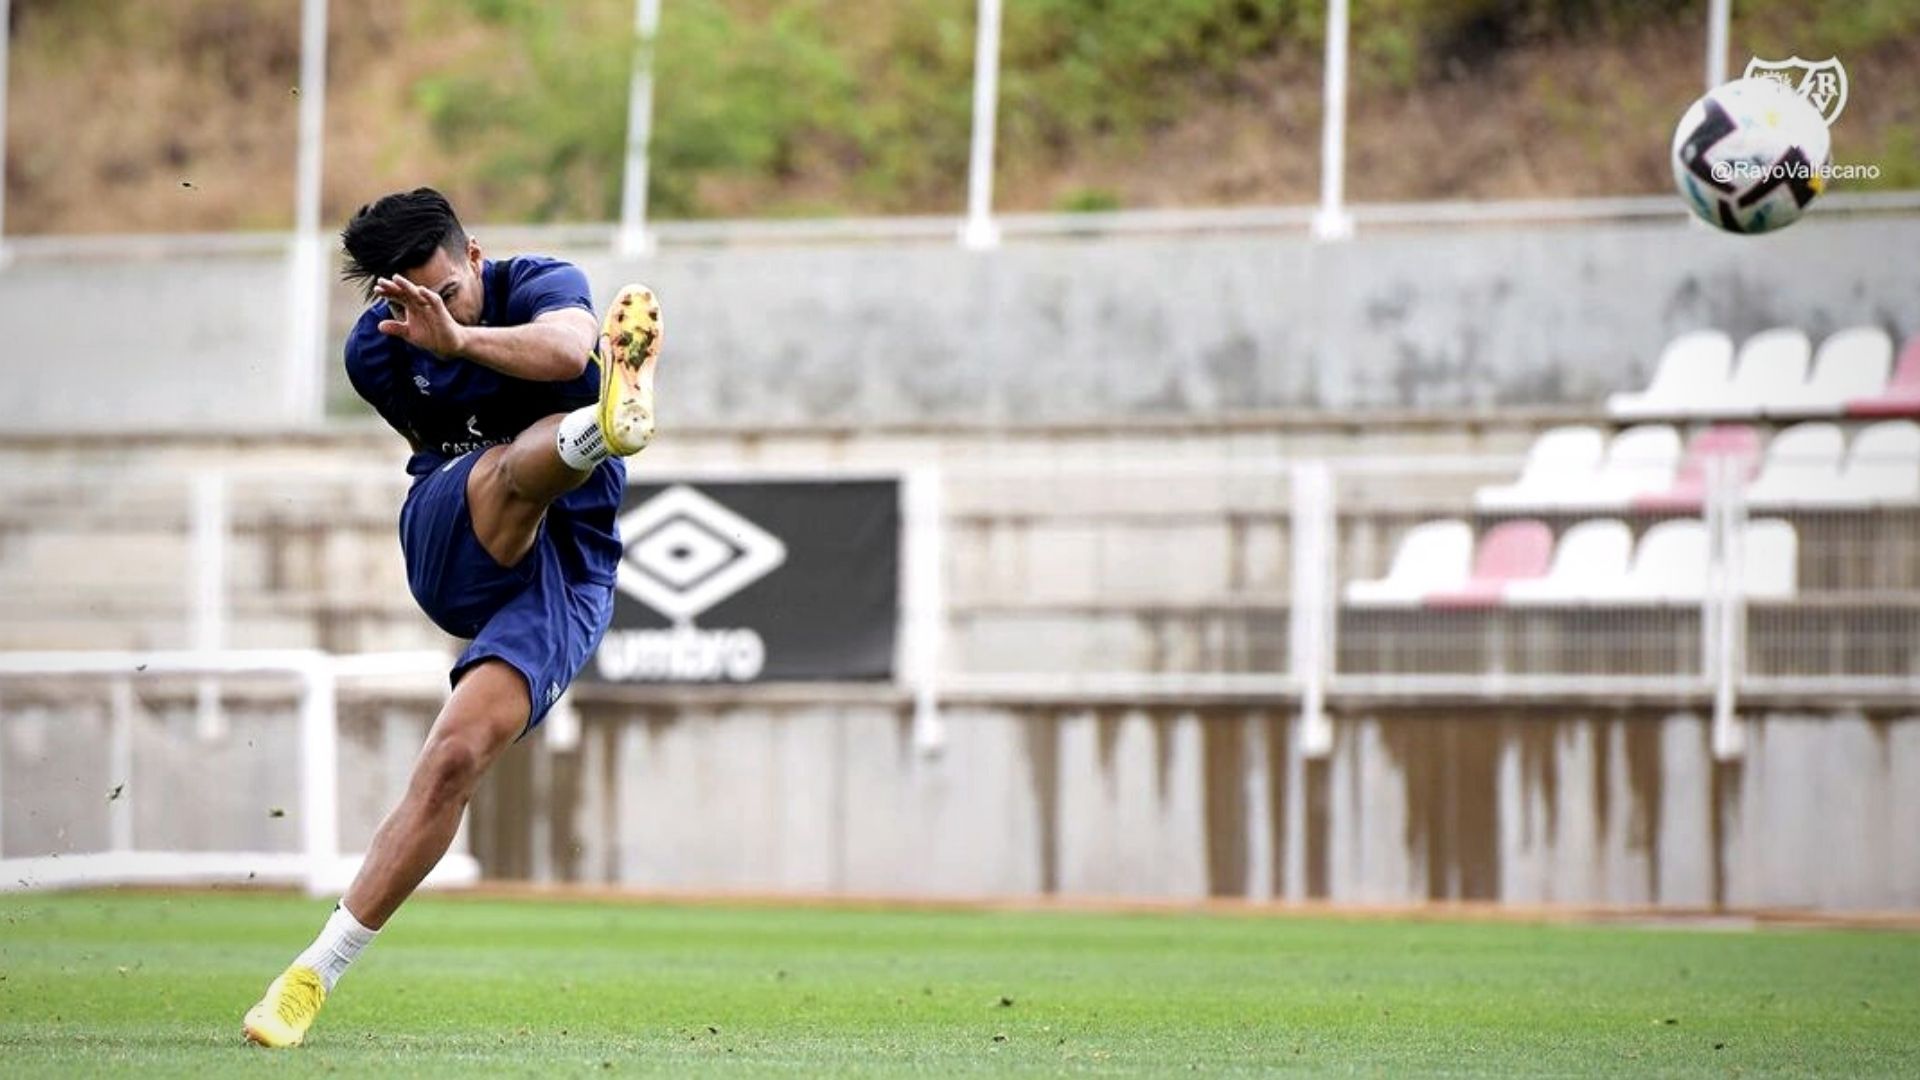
<point>155,984</point>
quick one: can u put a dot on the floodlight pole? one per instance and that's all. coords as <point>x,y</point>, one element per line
<point>1719,14</point>
<point>6,46</point>
<point>306,372</point>
<point>980,233</point>
<point>1333,222</point>
<point>633,239</point>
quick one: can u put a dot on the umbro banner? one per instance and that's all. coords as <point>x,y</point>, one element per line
<point>743,582</point>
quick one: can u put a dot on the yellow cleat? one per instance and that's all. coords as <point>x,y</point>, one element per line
<point>282,1017</point>
<point>629,351</point>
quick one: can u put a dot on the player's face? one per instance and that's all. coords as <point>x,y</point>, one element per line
<point>456,280</point>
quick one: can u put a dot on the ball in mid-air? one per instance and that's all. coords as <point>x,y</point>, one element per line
<point>1751,155</point>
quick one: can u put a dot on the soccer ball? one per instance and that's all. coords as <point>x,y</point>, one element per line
<point>1751,155</point>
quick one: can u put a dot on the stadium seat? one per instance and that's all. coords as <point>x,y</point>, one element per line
<point>1669,565</point>
<point>1561,459</point>
<point>1639,460</point>
<point>1883,465</point>
<point>1901,396</point>
<point>1736,444</point>
<point>1850,364</point>
<point>1694,368</point>
<point>1432,557</point>
<point>1770,563</point>
<point>1510,551</point>
<point>1802,467</point>
<point>1772,367</point>
<point>1590,561</point>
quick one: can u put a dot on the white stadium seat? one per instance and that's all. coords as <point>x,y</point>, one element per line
<point>1434,556</point>
<point>1694,367</point>
<point>1669,564</point>
<point>1802,467</point>
<point>1772,367</point>
<point>1589,561</point>
<point>1770,561</point>
<point>1850,364</point>
<point>1640,460</point>
<point>1561,459</point>
<point>1883,465</point>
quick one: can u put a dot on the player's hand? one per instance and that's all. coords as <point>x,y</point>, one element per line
<point>420,317</point>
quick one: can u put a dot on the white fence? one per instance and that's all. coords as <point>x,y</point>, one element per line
<point>312,768</point>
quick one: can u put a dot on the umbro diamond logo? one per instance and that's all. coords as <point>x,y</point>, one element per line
<point>685,553</point>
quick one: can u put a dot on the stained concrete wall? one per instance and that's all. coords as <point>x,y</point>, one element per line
<point>1190,326</point>
<point>1505,804</point>
<point>1067,329</point>
<point>1542,805</point>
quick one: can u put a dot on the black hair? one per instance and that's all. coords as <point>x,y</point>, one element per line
<point>399,232</point>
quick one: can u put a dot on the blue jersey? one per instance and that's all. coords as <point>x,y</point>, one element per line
<point>448,407</point>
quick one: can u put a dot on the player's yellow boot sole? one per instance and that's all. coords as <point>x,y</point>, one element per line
<point>629,351</point>
<point>282,1017</point>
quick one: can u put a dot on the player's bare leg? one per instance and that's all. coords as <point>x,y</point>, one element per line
<point>487,712</point>
<point>510,487</point>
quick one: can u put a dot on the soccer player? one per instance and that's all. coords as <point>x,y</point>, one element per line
<point>518,424</point>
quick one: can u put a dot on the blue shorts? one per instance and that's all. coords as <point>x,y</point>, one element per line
<point>545,615</point>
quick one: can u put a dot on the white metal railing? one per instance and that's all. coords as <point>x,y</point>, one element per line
<point>318,865</point>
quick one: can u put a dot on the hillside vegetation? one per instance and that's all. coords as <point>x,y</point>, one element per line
<point>180,114</point>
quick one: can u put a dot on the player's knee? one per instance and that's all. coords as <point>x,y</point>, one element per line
<point>449,770</point>
<point>509,482</point>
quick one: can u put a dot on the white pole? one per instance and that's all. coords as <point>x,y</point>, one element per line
<point>210,590</point>
<point>306,372</point>
<point>980,233</point>
<point>1333,222</point>
<point>633,239</point>
<point>1729,598</point>
<point>1719,13</point>
<point>319,774</point>
<point>1310,625</point>
<point>926,604</point>
<point>6,46</point>
<point>120,768</point>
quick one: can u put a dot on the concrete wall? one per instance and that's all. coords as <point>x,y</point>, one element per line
<point>1058,330</point>
<point>1191,326</point>
<point>1506,803</point>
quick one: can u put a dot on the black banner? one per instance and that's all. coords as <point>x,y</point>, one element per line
<point>746,582</point>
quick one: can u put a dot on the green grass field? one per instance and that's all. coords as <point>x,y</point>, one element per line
<point>156,983</point>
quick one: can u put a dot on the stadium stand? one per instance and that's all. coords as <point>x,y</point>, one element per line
<point>1591,559</point>
<point>1433,557</point>
<point>1850,364</point>
<point>1901,396</point>
<point>1512,551</point>
<point>1771,368</point>
<point>1883,465</point>
<point>1562,459</point>
<point>1640,461</point>
<point>1770,564</point>
<point>1694,367</point>
<point>1802,466</point>
<point>1736,444</point>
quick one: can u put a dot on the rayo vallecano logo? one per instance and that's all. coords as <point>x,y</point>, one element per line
<point>686,553</point>
<point>1822,82</point>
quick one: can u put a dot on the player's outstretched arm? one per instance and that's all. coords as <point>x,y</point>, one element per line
<point>553,347</point>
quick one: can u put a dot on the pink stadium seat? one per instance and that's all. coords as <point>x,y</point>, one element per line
<point>1738,444</point>
<point>1902,395</point>
<point>1511,551</point>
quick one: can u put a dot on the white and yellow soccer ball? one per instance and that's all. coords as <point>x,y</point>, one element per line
<point>1751,156</point>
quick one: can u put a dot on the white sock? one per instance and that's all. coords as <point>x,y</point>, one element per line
<point>339,942</point>
<point>579,440</point>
